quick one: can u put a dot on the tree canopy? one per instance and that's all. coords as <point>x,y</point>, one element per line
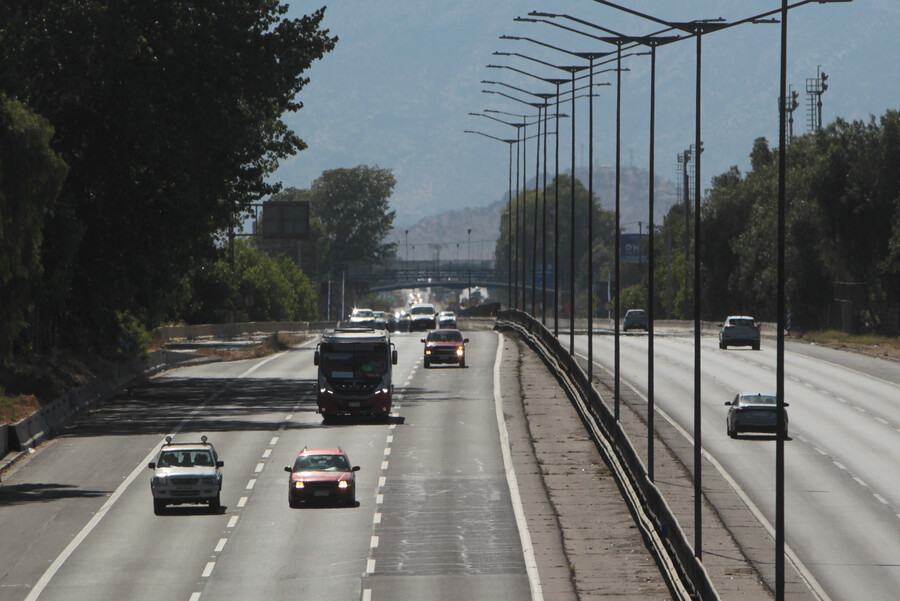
<point>169,115</point>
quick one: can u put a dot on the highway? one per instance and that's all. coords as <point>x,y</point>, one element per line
<point>842,458</point>
<point>434,518</point>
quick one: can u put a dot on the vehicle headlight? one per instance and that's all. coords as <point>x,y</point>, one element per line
<point>159,481</point>
<point>460,350</point>
<point>208,480</point>
<point>298,484</point>
<point>343,484</point>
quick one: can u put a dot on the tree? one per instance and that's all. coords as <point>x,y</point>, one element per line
<point>31,175</point>
<point>169,116</point>
<point>352,206</point>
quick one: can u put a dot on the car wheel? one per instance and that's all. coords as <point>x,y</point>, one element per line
<point>292,503</point>
<point>462,362</point>
<point>215,504</point>
<point>159,506</point>
<point>427,364</point>
<point>722,344</point>
<point>756,347</point>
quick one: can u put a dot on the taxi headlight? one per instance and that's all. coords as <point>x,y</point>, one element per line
<point>343,484</point>
<point>298,484</point>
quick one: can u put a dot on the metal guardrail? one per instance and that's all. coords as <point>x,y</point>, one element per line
<point>686,575</point>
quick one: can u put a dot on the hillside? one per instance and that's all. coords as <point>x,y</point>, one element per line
<point>446,234</point>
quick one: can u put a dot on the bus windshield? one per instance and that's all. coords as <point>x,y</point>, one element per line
<point>354,361</point>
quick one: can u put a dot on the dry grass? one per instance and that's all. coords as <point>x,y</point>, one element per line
<point>880,346</point>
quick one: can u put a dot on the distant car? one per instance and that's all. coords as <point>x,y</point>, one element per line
<point>753,412</point>
<point>422,317</point>
<point>445,346</point>
<point>739,330</point>
<point>381,320</point>
<point>322,474</point>
<point>635,319</point>
<point>362,318</point>
<point>186,472</point>
<point>446,319</point>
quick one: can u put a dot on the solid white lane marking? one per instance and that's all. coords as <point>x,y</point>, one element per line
<point>208,569</point>
<point>250,484</point>
<point>534,579</point>
<point>221,545</point>
<point>232,522</point>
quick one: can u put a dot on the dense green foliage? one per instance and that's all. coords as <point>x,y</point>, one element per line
<point>31,175</point>
<point>168,115</point>
<point>525,209</point>
<point>260,287</point>
<point>842,242</point>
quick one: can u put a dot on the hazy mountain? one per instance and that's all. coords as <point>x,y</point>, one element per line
<point>446,234</point>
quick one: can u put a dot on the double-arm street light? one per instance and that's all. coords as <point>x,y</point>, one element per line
<point>509,143</point>
<point>573,71</point>
<point>698,29</point>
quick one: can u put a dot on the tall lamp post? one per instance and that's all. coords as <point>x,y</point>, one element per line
<point>469,265</point>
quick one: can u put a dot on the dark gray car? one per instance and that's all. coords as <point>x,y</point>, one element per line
<point>753,412</point>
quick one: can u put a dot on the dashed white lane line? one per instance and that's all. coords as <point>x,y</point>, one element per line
<point>387,451</point>
<point>274,441</point>
<point>390,439</point>
<point>374,543</point>
<point>208,569</point>
<point>250,484</point>
<point>377,518</point>
<point>266,453</point>
<point>242,501</point>
<point>367,595</point>
<point>384,465</point>
<point>259,467</point>
<point>881,499</point>
<point>370,566</point>
<point>220,545</point>
<point>379,499</point>
<point>381,481</point>
<point>232,522</point>
<point>860,481</point>
<point>195,597</point>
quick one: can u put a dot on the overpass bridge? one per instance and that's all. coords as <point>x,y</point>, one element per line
<point>402,275</point>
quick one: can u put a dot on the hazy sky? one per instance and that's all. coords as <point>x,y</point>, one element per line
<point>398,88</point>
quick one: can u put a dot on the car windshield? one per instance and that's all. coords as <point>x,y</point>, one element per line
<point>439,336</point>
<point>759,399</point>
<point>321,463</point>
<point>185,458</point>
<point>363,313</point>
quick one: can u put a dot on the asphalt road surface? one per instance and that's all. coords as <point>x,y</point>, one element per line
<point>434,518</point>
<point>842,458</point>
